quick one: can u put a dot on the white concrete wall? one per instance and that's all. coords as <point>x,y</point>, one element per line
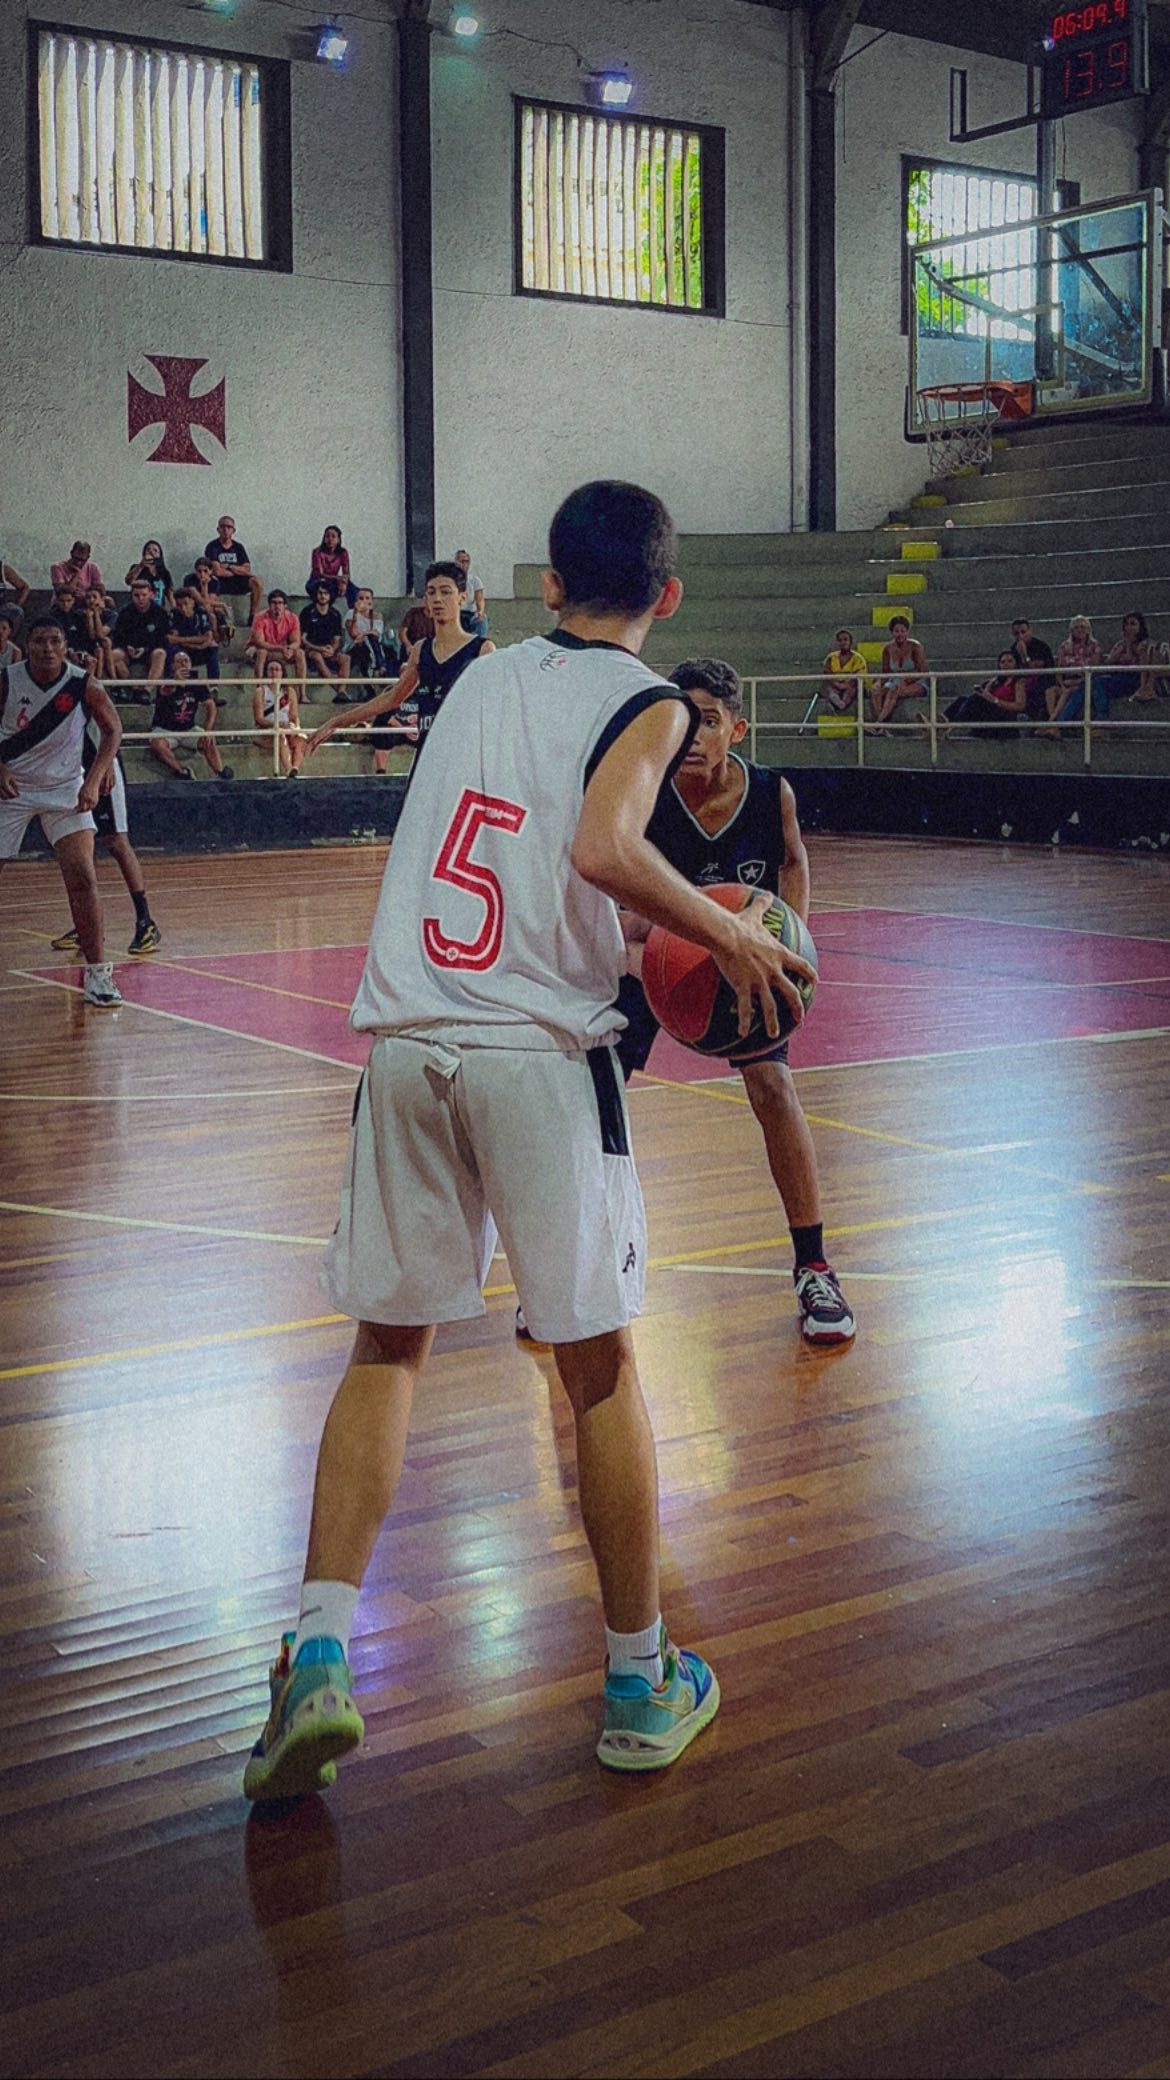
<point>311,358</point>
<point>894,101</point>
<point>534,396</point>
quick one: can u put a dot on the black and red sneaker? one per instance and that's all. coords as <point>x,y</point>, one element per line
<point>825,1314</point>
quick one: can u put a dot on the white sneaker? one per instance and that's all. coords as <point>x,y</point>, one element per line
<point>100,987</point>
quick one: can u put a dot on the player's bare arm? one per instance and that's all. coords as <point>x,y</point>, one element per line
<point>100,776</point>
<point>383,703</point>
<point>794,874</point>
<point>611,851</point>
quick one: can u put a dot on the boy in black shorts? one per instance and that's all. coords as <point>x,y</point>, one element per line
<point>721,819</point>
<point>113,828</point>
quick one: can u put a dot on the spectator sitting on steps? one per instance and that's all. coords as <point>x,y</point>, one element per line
<point>274,697</point>
<point>277,633</point>
<point>73,621</point>
<point>1066,701</point>
<point>139,636</point>
<point>1135,664</point>
<point>1032,649</point>
<point>231,568</point>
<point>1002,699</point>
<point>844,673</point>
<point>323,637</point>
<point>200,581</point>
<point>473,614</point>
<point>100,616</point>
<point>903,673</point>
<point>10,652</point>
<point>365,629</point>
<point>176,706</point>
<point>152,566</point>
<point>77,569</point>
<point>329,565</point>
<point>192,632</point>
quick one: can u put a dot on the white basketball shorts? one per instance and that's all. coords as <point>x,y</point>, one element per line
<point>56,824</point>
<point>450,1143</point>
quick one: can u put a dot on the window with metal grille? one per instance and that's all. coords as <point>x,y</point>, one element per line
<point>618,209</point>
<point>947,201</point>
<point>151,148</point>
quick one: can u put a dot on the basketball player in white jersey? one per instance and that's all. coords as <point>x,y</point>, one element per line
<point>492,1092</point>
<point>45,704</point>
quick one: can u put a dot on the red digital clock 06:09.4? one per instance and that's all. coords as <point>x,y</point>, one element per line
<point>1092,55</point>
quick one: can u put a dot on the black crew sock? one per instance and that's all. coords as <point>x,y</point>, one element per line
<point>141,907</point>
<point>809,1245</point>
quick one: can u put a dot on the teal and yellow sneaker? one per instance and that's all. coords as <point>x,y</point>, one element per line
<point>647,1728</point>
<point>313,1720</point>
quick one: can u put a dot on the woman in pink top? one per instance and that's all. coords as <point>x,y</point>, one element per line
<point>330,566</point>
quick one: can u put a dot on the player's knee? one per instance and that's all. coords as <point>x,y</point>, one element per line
<point>770,1088</point>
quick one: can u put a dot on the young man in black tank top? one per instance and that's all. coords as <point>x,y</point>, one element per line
<point>431,670</point>
<point>721,819</point>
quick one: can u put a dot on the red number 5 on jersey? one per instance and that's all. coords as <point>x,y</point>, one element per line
<point>456,865</point>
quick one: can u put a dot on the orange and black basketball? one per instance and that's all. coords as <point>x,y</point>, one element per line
<point>690,998</point>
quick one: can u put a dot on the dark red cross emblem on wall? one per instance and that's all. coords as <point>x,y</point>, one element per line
<point>176,410</point>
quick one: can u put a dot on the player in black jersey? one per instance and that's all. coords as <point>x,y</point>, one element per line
<point>434,664</point>
<point>722,819</point>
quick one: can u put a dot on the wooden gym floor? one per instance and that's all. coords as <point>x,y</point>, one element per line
<point>929,1833</point>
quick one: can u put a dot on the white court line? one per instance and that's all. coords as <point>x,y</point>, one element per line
<point>1018,924</point>
<point>125,1220</point>
<point>183,1018</point>
<point>946,1054</point>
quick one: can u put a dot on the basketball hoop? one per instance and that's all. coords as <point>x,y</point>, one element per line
<point>958,445</point>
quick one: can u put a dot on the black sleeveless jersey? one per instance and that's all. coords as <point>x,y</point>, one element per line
<point>436,677</point>
<point>749,848</point>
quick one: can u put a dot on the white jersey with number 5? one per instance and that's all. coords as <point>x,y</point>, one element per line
<point>484,932</point>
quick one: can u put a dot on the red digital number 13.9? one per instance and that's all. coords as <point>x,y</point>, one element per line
<point>455,864</point>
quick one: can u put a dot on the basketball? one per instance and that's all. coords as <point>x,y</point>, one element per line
<point>690,998</point>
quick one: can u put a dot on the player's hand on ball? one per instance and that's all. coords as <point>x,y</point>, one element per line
<point>755,968</point>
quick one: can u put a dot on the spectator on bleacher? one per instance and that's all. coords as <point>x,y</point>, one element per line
<point>138,639</point>
<point>329,565</point>
<point>323,638</point>
<point>200,581</point>
<point>903,673</point>
<point>366,630</point>
<point>176,705</point>
<point>71,619</point>
<point>152,566</point>
<point>1079,649</point>
<point>193,633</point>
<point>77,569</point>
<point>1032,649</point>
<point>277,633</point>
<point>273,693</point>
<point>415,626</point>
<point>10,652</point>
<point>1003,698</point>
<point>1135,664</point>
<point>843,673</point>
<point>231,570</point>
<point>100,616</point>
<point>474,614</point>
<point>12,578</point>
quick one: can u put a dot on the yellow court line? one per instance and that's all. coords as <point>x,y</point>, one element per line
<point>167,1097</point>
<point>702,1088</point>
<point>125,1220</point>
<point>325,1321</point>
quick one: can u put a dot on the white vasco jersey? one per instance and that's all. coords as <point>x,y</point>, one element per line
<point>485,934</point>
<point>49,775</point>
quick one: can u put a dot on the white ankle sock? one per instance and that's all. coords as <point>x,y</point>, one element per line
<point>327,1612</point>
<point>636,1653</point>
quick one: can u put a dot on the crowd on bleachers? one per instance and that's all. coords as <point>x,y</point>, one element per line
<point>1030,687</point>
<point>151,647</point>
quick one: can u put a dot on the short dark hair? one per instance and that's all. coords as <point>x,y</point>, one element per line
<point>183,592</point>
<point>65,586</point>
<point>613,547</point>
<point>454,571</point>
<point>711,675</point>
<point>278,592</point>
<point>898,621</point>
<point>141,581</point>
<point>43,621</point>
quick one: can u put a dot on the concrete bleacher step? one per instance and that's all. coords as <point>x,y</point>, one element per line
<point>1121,502</point>
<point>1103,473</point>
<point>1092,445</point>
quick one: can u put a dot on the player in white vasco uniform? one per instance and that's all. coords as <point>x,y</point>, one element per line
<point>492,1094</point>
<point>45,704</point>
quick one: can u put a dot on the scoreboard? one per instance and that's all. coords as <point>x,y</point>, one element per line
<point>1092,55</point>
